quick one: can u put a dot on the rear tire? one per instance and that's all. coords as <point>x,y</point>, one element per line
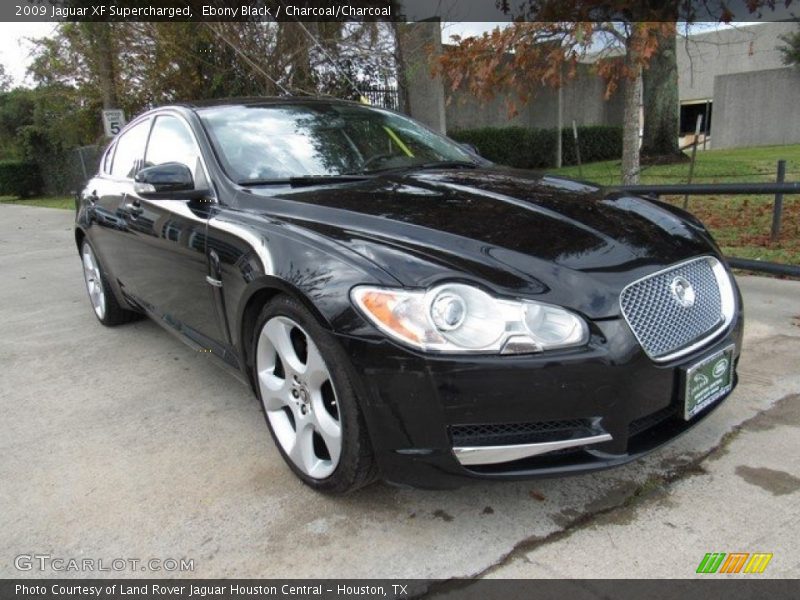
<point>101,296</point>
<point>302,379</point>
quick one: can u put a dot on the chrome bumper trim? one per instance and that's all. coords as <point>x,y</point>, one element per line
<point>489,455</point>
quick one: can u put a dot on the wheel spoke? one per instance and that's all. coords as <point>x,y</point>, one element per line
<point>277,331</point>
<point>329,429</point>
<point>272,382</point>
<point>315,371</point>
<point>302,452</point>
<point>275,401</point>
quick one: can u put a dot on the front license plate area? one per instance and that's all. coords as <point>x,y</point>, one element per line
<point>707,381</point>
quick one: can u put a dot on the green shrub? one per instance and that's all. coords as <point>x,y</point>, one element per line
<point>598,142</point>
<point>511,146</point>
<point>19,178</point>
<point>524,148</point>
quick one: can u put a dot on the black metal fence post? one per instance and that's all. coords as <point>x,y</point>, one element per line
<point>694,157</point>
<point>577,148</point>
<point>777,207</point>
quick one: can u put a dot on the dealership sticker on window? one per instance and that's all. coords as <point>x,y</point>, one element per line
<point>707,381</point>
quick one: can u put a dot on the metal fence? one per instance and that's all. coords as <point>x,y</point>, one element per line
<point>778,189</point>
<point>385,97</point>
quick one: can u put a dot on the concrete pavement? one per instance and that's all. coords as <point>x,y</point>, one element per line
<point>124,443</point>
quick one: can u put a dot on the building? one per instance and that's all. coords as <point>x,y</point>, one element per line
<point>732,77</point>
<point>739,72</point>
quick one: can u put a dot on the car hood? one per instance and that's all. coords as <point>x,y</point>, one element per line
<point>518,232</point>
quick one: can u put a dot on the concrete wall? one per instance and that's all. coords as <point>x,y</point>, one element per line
<point>704,56</point>
<point>757,109</point>
<point>583,99</point>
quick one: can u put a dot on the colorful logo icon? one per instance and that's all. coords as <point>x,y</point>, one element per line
<point>734,562</point>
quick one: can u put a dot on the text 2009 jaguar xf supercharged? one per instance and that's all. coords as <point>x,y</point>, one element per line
<point>403,308</point>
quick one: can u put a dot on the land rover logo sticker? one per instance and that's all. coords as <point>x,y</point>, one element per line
<point>720,368</point>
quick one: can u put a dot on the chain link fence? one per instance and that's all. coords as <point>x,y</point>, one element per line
<point>66,172</point>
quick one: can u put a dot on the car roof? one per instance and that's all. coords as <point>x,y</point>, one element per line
<point>265,101</point>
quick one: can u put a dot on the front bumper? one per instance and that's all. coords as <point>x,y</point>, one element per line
<point>609,394</point>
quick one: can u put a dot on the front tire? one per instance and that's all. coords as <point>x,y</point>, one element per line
<point>101,296</point>
<point>308,400</point>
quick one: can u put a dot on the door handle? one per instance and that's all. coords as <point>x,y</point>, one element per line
<point>213,257</point>
<point>134,208</point>
<point>132,205</point>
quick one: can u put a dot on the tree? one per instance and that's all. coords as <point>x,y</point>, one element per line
<point>525,55</point>
<point>791,48</point>
<point>660,100</point>
<point>101,55</point>
<point>6,81</point>
<point>141,65</point>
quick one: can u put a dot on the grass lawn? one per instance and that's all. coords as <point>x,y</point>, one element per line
<point>740,224</point>
<point>66,202</point>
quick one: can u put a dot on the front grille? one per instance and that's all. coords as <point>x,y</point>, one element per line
<point>504,434</point>
<point>658,319</point>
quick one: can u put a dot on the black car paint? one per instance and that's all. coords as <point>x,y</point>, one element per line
<point>516,233</point>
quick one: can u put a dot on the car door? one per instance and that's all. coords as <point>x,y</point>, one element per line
<point>167,263</point>
<point>106,194</point>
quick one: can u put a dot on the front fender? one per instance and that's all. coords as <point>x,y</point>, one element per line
<point>259,257</point>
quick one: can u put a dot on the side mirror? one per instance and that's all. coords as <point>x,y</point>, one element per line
<point>470,148</point>
<point>171,180</point>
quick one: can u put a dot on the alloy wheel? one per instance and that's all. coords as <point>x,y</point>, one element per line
<point>299,397</point>
<point>94,281</point>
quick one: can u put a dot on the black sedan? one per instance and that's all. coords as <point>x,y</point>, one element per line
<point>402,307</point>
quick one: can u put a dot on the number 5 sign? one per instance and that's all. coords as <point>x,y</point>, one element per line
<point>113,121</point>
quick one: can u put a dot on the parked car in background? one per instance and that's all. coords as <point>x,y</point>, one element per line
<point>403,308</point>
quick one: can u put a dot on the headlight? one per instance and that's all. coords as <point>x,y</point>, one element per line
<point>455,317</point>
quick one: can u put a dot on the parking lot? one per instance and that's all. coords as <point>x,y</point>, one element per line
<point>124,443</point>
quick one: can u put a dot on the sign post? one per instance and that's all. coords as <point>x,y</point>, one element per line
<point>113,121</point>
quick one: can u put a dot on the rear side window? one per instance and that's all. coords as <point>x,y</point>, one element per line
<point>129,154</point>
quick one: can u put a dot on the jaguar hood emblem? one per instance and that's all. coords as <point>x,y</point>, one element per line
<point>683,292</point>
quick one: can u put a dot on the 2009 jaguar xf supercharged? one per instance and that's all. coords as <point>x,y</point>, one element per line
<point>402,307</point>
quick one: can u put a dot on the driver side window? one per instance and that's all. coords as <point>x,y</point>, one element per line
<point>172,141</point>
<point>129,152</point>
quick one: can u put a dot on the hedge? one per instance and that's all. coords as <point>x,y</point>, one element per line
<point>536,148</point>
<point>19,178</point>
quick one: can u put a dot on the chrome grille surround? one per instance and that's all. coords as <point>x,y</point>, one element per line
<point>664,327</point>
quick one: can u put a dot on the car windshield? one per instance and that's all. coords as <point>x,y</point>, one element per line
<point>262,143</point>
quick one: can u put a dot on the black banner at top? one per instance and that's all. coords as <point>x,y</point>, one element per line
<point>400,10</point>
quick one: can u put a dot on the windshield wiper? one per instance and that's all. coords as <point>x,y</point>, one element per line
<point>306,180</point>
<point>439,164</point>
<point>446,164</point>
